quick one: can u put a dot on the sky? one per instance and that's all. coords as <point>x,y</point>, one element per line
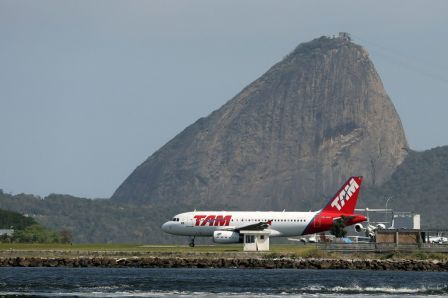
<point>90,89</point>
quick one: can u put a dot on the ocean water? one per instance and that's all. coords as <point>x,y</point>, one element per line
<point>132,282</point>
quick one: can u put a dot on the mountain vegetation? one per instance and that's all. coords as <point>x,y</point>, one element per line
<point>27,230</point>
<point>14,220</point>
<point>95,221</point>
<point>420,185</point>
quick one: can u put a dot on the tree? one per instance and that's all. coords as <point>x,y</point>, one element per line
<point>16,220</point>
<point>338,228</point>
<point>35,234</point>
<point>65,236</point>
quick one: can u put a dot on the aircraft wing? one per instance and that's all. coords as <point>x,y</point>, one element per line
<point>259,226</point>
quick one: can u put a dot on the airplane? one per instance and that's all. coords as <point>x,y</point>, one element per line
<point>438,239</point>
<point>225,226</point>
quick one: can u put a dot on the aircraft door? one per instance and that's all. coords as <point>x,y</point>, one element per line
<point>189,222</point>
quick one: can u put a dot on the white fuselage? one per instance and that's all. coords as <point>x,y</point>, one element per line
<point>204,223</point>
<point>231,226</point>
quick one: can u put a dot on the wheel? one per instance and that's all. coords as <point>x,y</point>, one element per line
<point>191,244</point>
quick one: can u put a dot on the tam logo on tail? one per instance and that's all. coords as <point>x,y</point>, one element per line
<point>345,194</point>
<point>345,199</point>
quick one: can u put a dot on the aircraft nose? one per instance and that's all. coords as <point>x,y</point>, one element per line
<point>166,227</point>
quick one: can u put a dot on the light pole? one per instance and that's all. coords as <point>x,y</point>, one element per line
<point>387,201</point>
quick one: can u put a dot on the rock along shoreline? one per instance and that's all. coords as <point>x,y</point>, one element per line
<point>267,263</point>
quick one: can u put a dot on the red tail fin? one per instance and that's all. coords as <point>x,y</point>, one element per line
<point>345,199</point>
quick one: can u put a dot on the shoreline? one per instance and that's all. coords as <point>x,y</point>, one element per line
<point>255,262</point>
<point>161,256</point>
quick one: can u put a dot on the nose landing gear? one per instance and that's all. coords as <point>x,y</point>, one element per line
<point>191,244</point>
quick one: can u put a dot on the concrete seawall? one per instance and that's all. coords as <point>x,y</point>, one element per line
<point>269,263</point>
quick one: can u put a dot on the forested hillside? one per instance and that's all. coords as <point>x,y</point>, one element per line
<point>420,184</point>
<point>14,220</point>
<point>27,230</point>
<point>95,220</point>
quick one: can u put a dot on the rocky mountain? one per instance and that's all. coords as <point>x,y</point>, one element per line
<point>287,140</point>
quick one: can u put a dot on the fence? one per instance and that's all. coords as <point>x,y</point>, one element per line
<point>382,247</point>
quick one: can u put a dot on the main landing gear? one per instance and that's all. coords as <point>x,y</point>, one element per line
<point>191,244</point>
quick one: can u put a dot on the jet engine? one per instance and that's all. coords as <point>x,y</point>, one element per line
<point>359,228</point>
<point>227,237</point>
<point>369,229</point>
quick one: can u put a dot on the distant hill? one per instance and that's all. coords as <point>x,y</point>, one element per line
<point>14,220</point>
<point>420,184</point>
<point>95,220</point>
<point>27,230</point>
<point>288,139</point>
